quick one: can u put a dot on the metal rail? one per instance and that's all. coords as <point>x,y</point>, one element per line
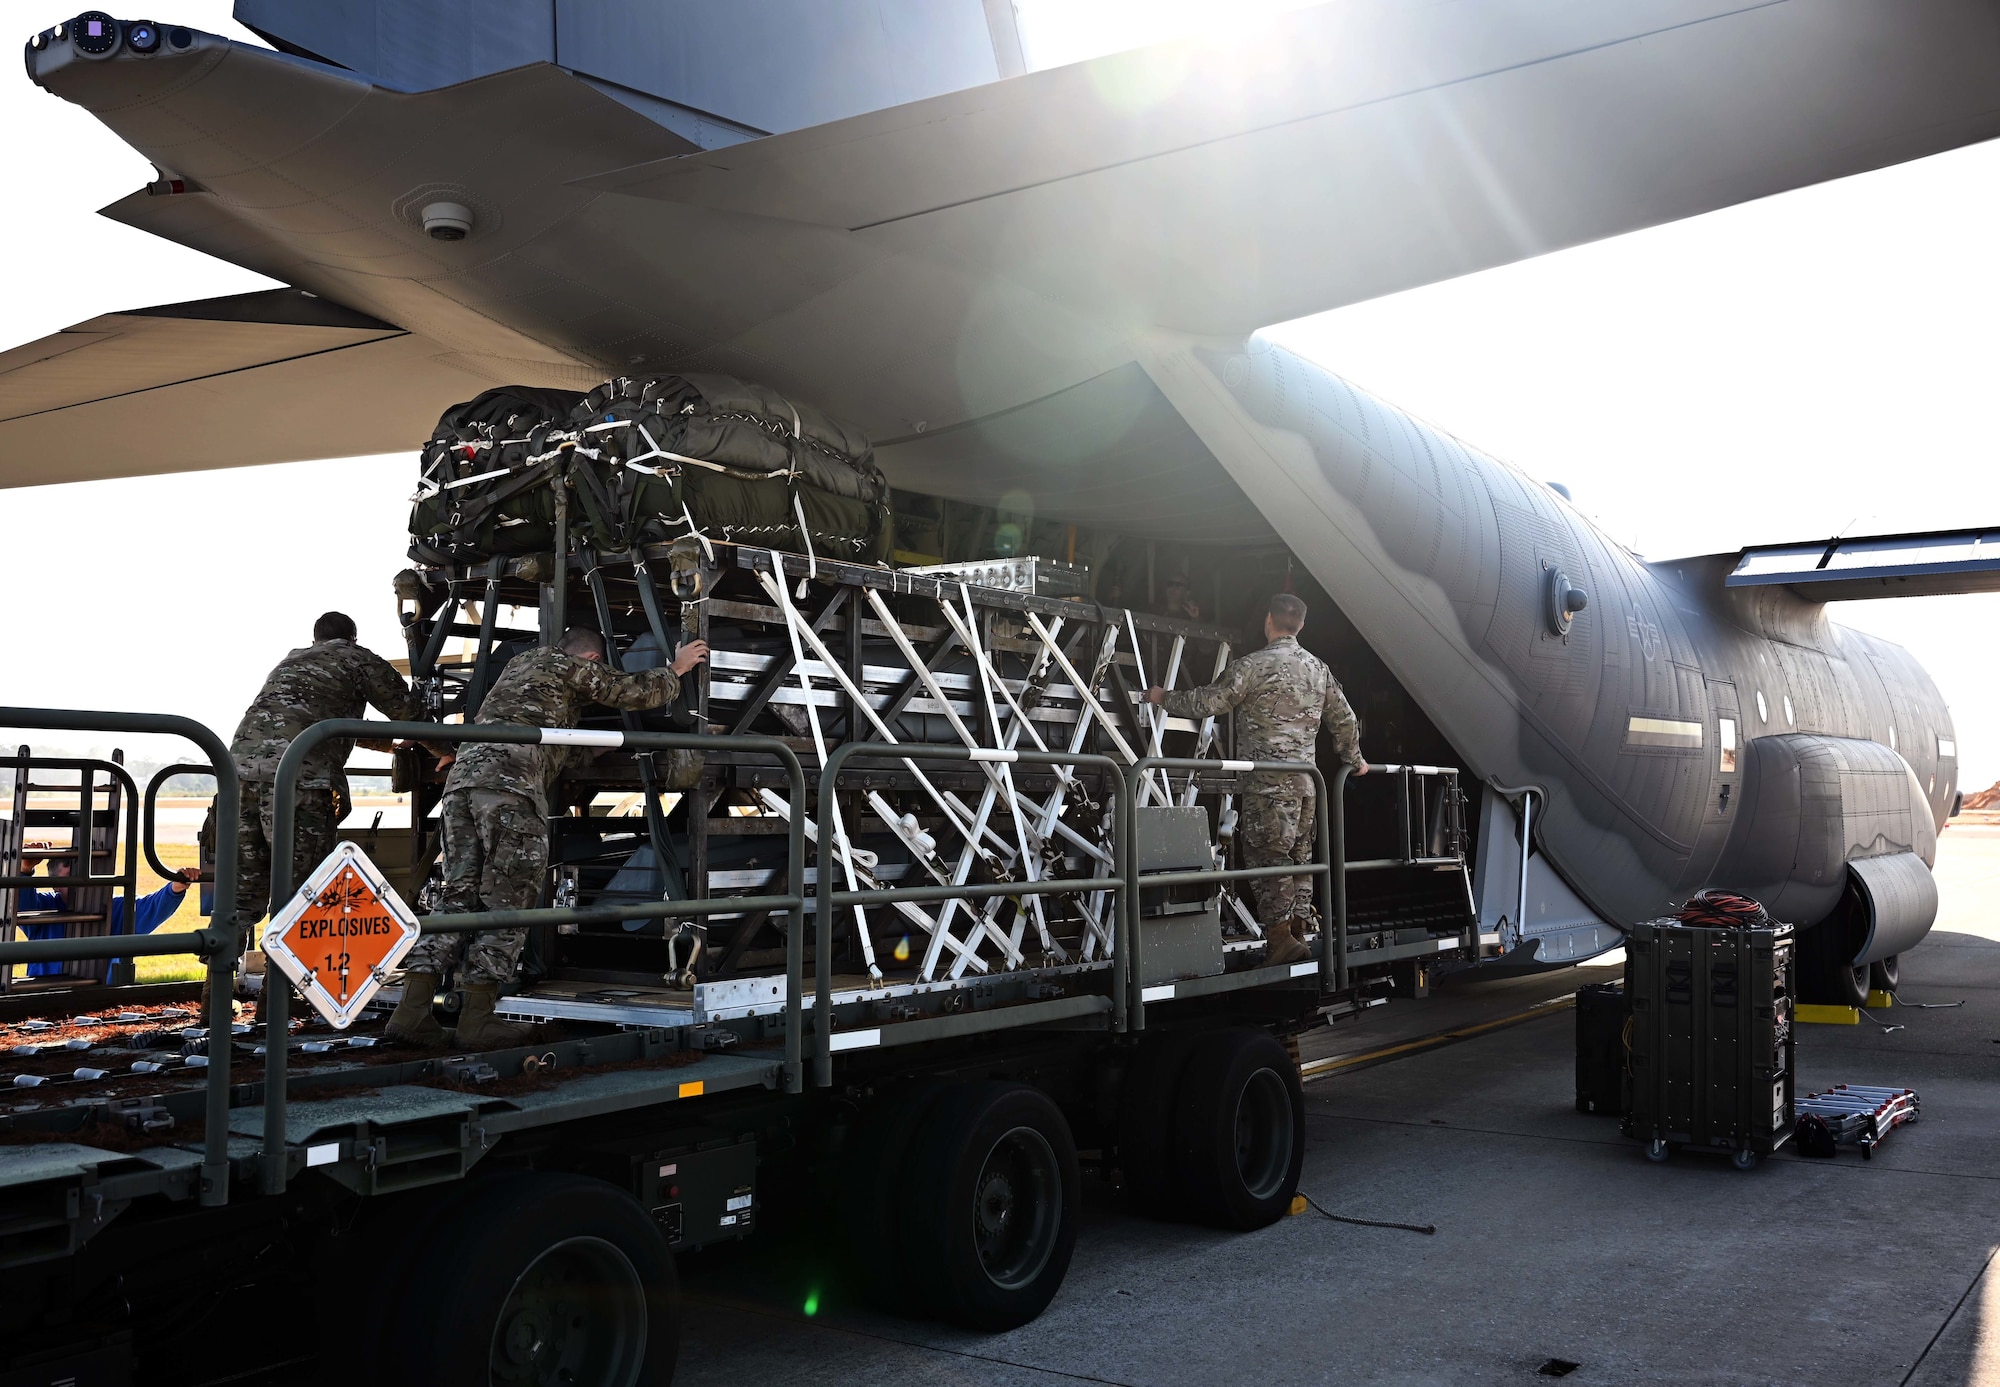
<point>1526,794</point>
<point>1325,866</point>
<point>277,994</point>
<point>1411,854</point>
<point>217,945</point>
<point>832,900</point>
<point>80,874</point>
<point>148,828</point>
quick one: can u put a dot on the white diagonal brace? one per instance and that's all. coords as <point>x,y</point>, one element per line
<point>1030,862</point>
<point>945,803</point>
<point>778,804</point>
<point>1083,689</point>
<point>1208,724</point>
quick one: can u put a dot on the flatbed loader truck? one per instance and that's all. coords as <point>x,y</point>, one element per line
<point>910,912</point>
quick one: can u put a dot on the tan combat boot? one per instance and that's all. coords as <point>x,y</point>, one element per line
<point>478,1029</point>
<point>412,1023</point>
<point>1282,945</point>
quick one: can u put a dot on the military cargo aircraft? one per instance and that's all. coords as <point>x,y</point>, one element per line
<point>1047,284</point>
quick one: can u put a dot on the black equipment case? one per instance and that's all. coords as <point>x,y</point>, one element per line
<point>1600,1047</point>
<point>1711,1038</point>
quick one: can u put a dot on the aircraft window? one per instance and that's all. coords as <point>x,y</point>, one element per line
<point>1789,720</point>
<point>1947,747</point>
<point>1727,736</point>
<point>1665,732</point>
<point>1763,710</point>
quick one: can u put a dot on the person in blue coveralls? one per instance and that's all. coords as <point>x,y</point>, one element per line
<point>153,910</point>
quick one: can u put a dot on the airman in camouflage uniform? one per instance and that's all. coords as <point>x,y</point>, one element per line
<point>1281,696</point>
<point>495,823</point>
<point>331,678</point>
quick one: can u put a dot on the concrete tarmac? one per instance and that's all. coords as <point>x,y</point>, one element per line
<point>1556,1244</point>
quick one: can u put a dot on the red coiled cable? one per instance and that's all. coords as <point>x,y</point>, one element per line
<point>1722,910</point>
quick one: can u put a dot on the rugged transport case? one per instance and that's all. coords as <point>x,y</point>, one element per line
<point>1711,1056</point>
<point>1600,1047</point>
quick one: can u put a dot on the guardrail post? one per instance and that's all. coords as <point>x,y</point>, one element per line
<point>1124,935</point>
<point>1332,849</point>
<point>1128,905</point>
<point>823,914</point>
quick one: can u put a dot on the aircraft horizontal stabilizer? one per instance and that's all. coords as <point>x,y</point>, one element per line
<point>1845,570</point>
<point>225,382</point>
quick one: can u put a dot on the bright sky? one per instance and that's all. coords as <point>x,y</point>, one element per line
<point>1814,363</point>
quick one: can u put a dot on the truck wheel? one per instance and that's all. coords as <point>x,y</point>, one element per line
<point>992,1219</point>
<point>873,1194</point>
<point>1146,1103</point>
<point>1240,1130</point>
<point>544,1280</point>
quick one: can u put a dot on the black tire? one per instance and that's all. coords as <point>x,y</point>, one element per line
<point>1240,1130</point>
<point>1886,975</point>
<point>1826,977</point>
<point>541,1279</point>
<point>1844,984</point>
<point>873,1194</point>
<point>991,1223</point>
<point>1146,1106</point>
<point>1658,1151</point>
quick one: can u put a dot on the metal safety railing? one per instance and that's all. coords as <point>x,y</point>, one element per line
<point>87,768</point>
<point>1419,820</point>
<point>220,944</point>
<point>790,903</point>
<point>217,945</point>
<point>830,900</point>
<point>149,817</point>
<point>82,850</point>
<point>1326,865</point>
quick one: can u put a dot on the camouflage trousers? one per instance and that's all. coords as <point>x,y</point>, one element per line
<point>1275,826</point>
<point>315,826</point>
<point>496,857</point>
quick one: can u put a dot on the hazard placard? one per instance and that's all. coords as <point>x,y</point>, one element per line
<point>340,934</point>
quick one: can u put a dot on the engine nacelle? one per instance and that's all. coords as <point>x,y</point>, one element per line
<point>1820,812</point>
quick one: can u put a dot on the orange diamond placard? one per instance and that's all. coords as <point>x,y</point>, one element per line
<point>340,934</point>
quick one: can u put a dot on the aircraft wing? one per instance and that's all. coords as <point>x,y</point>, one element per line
<point>251,378</point>
<point>1353,150</point>
<point>975,255</point>
<point>1840,570</point>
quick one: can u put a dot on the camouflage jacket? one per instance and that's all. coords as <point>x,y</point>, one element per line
<point>327,679</point>
<point>546,688</point>
<point>1280,695</point>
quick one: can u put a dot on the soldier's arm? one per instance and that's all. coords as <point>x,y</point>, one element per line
<point>384,688</point>
<point>1338,719</point>
<point>649,688</point>
<point>1210,700</point>
<point>390,696</point>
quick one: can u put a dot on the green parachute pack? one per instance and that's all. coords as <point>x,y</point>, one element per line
<point>642,461</point>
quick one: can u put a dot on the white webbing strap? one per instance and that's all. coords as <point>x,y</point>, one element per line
<point>806,539</point>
